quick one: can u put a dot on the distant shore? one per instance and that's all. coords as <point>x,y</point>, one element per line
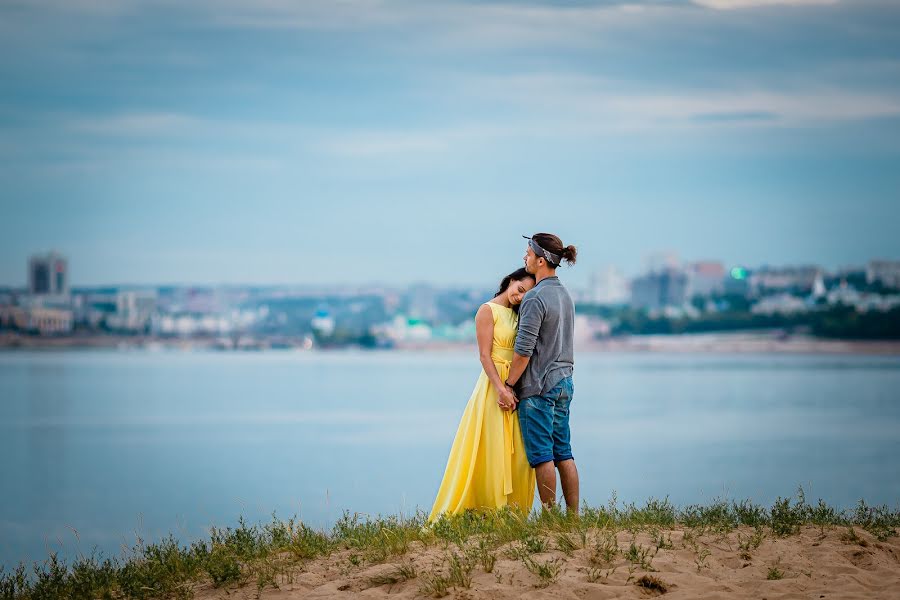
<point>758,342</point>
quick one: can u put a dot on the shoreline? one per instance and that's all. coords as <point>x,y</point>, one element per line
<point>739,549</point>
<point>758,342</point>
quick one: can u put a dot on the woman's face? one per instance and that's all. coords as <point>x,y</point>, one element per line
<point>517,289</point>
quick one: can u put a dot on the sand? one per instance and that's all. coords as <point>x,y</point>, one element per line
<point>813,564</point>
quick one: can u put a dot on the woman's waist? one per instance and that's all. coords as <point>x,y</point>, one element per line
<point>501,354</point>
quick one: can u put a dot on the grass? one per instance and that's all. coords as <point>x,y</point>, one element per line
<point>269,554</point>
<point>850,537</point>
<point>605,549</point>
<point>546,571</point>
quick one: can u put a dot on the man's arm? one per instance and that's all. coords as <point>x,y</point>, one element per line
<point>531,314</point>
<point>518,366</point>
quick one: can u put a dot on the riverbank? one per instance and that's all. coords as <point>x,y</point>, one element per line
<point>734,549</point>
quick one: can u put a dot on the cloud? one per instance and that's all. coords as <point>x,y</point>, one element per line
<point>739,4</point>
<point>135,124</point>
<point>591,104</point>
<point>367,144</point>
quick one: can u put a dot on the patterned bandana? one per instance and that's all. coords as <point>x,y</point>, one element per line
<point>551,258</point>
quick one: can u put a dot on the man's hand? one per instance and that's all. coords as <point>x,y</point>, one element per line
<point>506,398</point>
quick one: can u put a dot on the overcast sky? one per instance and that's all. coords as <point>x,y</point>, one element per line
<point>224,141</point>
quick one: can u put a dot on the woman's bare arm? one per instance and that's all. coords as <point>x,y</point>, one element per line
<point>484,333</point>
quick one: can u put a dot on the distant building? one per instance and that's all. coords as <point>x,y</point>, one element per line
<point>609,286</point>
<point>784,304</point>
<point>189,324</point>
<point>885,272</point>
<point>323,323</point>
<point>705,278</point>
<point>134,311</point>
<point>801,279</point>
<point>421,302</point>
<point>48,274</point>
<point>656,290</point>
<point>37,319</point>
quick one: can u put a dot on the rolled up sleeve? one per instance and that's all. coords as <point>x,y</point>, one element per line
<point>531,314</point>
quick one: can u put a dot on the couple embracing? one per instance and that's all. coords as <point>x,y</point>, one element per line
<point>515,428</point>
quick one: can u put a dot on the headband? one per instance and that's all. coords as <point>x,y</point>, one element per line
<point>551,258</point>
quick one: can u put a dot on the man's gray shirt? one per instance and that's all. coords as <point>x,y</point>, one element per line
<point>546,332</point>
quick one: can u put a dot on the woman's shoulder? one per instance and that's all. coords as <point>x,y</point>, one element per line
<point>496,310</point>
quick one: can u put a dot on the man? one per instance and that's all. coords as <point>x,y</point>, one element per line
<point>541,370</point>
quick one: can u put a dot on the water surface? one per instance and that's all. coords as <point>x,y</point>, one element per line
<point>112,445</point>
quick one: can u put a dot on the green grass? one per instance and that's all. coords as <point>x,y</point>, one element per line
<point>547,571</point>
<point>269,554</point>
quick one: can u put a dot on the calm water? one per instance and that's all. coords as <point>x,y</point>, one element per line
<point>118,444</point>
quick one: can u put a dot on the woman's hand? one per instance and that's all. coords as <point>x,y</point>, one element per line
<point>506,398</point>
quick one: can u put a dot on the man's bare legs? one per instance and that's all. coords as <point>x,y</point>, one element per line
<point>568,476</point>
<point>545,473</point>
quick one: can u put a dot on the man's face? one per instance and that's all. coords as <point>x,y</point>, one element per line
<point>530,260</point>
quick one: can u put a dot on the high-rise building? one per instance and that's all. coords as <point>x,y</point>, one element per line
<point>48,274</point>
<point>609,286</point>
<point>705,278</point>
<point>659,289</point>
<point>885,272</point>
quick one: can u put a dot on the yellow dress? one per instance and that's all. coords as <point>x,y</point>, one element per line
<point>487,467</point>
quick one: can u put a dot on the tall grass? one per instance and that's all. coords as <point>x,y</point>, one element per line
<point>269,554</point>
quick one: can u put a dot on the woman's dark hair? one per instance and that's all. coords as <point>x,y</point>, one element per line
<point>517,275</point>
<point>553,244</point>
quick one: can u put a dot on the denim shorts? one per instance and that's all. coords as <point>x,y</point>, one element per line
<point>544,421</point>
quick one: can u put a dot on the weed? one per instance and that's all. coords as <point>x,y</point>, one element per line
<point>639,555</point>
<point>596,574</point>
<point>661,540</point>
<point>483,554</point>
<point>460,574</point>
<point>535,544</point>
<point>547,572</point>
<point>434,585</point>
<point>565,544</point>
<point>774,573</point>
<point>604,550</point>
<point>879,521</point>
<point>700,561</point>
<point>748,544</point>
<point>850,537</point>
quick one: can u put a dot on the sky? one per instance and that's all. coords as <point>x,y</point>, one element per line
<point>358,141</point>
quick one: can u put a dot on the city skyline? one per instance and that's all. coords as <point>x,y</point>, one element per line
<point>392,143</point>
<point>653,262</point>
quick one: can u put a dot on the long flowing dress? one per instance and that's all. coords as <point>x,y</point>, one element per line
<point>487,467</point>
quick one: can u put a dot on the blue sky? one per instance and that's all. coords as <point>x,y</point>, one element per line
<point>372,141</point>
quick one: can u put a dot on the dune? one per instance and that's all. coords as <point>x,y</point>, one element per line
<point>817,562</point>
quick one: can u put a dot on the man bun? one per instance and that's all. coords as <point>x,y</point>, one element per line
<point>569,254</point>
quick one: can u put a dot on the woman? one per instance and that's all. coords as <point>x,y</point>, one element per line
<point>487,468</point>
